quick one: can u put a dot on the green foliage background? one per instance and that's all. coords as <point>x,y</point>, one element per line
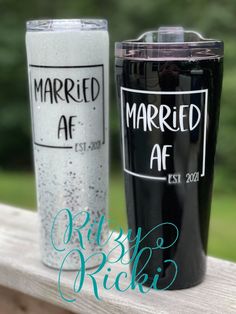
<point>127,19</point>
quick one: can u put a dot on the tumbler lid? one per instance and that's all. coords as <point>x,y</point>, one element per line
<point>170,43</point>
<point>66,25</point>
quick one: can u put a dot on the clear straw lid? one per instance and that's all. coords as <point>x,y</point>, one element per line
<point>66,25</point>
<point>170,43</point>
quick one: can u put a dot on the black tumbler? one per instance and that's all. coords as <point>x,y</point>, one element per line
<point>169,86</point>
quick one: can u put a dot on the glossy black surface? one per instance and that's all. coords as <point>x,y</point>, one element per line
<point>151,202</point>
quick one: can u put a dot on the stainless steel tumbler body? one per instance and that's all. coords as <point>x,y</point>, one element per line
<point>169,86</point>
<point>68,82</point>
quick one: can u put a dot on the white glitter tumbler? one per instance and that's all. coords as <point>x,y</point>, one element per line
<point>68,83</point>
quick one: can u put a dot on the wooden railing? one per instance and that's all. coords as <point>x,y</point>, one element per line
<point>27,286</point>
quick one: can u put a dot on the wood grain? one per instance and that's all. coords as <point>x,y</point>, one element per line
<point>15,302</point>
<point>21,270</point>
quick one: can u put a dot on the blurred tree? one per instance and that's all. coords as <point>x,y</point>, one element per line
<point>127,19</point>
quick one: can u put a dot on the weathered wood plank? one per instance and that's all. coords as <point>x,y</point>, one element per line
<point>15,302</point>
<point>21,269</point>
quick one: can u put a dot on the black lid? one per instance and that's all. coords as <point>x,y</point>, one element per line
<point>170,43</point>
